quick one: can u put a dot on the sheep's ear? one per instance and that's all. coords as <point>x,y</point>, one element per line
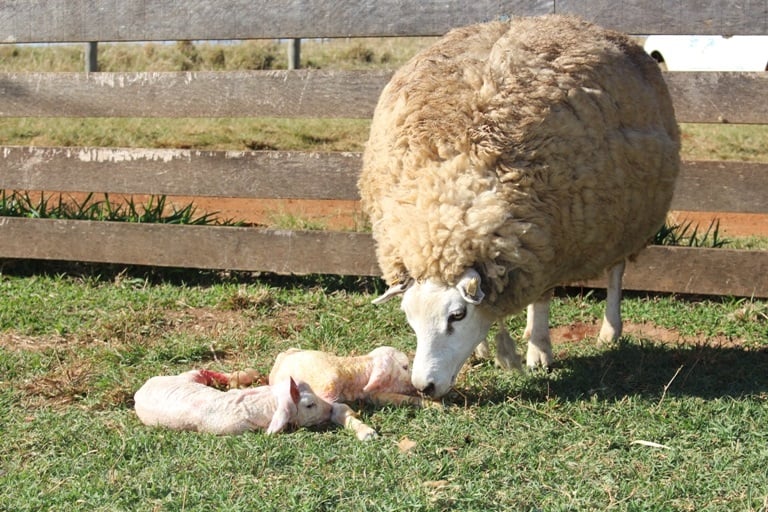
<point>398,288</point>
<point>288,396</point>
<point>469,287</point>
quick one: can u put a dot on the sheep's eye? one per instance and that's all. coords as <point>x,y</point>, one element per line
<point>457,315</point>
<point>311,405</point>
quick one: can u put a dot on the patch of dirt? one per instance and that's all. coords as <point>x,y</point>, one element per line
<point>731,224</point>
<point>580,331</point>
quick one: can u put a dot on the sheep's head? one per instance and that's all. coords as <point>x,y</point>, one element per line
<point>448,323</point>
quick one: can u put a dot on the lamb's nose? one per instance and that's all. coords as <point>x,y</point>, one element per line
<point>429,390</point>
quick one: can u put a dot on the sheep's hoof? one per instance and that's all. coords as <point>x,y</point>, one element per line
<point>609,334</point>
<point>537,357</point>
<point>483,351</point>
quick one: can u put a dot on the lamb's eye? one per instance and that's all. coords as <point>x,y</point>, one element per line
<point>457,315</point>
<point>311,405</point>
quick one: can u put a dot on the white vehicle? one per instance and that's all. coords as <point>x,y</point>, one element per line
<point>709,53</point>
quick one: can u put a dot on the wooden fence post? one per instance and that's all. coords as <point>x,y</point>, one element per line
<point>92,57</point>
<point>294,54</point>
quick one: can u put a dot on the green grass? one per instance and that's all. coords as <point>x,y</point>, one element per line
<point>74,347</point>
<point>154,210</point>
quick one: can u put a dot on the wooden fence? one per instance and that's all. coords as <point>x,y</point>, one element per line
<point>698,97</point>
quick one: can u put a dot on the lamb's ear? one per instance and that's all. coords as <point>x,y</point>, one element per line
<point>381,372</point>
<point>398,288</point>
<point>469,287</point>
<point>288,396</point>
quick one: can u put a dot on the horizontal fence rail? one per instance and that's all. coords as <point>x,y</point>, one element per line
<point>702,186</point>
<point>698,97</point>
<point>157,20</point>
<point>660,269</point>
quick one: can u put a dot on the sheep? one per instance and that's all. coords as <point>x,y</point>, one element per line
<point>381,376</point>
<point>504,160</point>
<point>188,402</point>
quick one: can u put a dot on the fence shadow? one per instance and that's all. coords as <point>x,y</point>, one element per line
<point>639,369</point>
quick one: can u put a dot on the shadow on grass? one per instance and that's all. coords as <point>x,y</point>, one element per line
<point>636,369</point>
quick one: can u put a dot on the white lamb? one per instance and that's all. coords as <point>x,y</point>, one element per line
<point>382,376</point>
<point>506,159</point>
<point>189,402</point>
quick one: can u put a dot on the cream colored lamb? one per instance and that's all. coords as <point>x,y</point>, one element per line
<point>506,159</point>
<point>381,376</point>
<point>190,402</point>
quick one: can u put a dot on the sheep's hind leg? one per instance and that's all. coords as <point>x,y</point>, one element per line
<point>611,328</point>
<point>537,328</point>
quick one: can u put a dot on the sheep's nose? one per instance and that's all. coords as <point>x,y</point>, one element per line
<point>429,390</point>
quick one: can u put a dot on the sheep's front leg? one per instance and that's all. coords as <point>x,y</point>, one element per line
<point>344,415</point>
<point>483,350</point>
<point>537,327</point>
<point>611,328</point>
<point>506,349</point>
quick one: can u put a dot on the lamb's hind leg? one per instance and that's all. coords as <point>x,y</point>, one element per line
<point>537,329</point>
<point>611,328</point>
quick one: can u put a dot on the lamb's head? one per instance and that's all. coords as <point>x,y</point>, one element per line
<point>449,323</point>
<point>297,404</point>
<point>390,372</point>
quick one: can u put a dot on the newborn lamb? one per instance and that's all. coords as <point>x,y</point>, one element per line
<point>381,376</point>
<point>188,402</point>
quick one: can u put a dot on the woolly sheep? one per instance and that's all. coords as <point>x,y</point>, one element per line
<point>506,159</point>
<point>188,402</point>
<point>381,376</point>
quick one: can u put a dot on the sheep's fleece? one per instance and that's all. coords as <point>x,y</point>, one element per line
<point>537,151</point>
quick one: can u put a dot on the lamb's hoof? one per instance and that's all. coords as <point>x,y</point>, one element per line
<point>367,434</point>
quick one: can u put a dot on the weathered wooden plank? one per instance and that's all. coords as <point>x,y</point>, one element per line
<point>719,97</point>
<point>696,271</point>
<point>257,174</point>
<point>720,186</point>
<point>703,185</point>
<point>298,93</point>
<point>698,97</point>
<point>284,252</point>
<point>662,269</point>
<point>720,17</point>
<point>151,20</point>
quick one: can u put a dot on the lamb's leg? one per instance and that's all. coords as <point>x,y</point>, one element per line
<point>506,349</point>
<point>537,327</point>
<point>343,415</point>
<point>611,328</point>
<point>400,399</point>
